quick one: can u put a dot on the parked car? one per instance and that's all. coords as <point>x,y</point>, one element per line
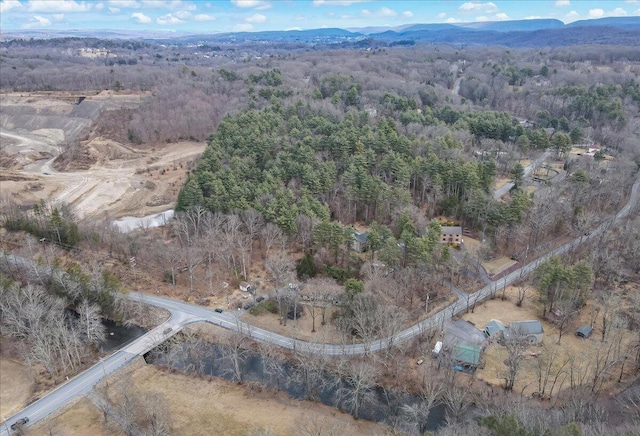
<point>259,299</point>
<point>217,310</point>
<point>167,331</point>
<point>19,423</point>
<point>248,306</point>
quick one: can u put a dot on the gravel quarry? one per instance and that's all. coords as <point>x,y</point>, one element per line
<point>100,177</point>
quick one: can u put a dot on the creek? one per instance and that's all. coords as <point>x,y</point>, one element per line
<point>209,359</point>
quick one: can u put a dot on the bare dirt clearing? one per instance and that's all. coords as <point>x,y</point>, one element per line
<point>16,385</point>
<point>119,180</point>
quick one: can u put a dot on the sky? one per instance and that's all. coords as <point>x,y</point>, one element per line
<point>260,15</point>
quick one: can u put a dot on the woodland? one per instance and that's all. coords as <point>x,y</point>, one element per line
<point>304,146</point>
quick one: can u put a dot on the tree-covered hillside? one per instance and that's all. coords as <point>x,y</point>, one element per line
<point>290,161</point>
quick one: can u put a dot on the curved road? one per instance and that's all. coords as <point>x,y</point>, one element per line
<point>183,313</point>
<point>498,193</point>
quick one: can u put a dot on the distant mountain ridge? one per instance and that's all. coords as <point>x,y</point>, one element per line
<point>515,33</point>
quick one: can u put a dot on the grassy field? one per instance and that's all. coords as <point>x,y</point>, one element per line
<point>16,385</point>
<point>213,406</point>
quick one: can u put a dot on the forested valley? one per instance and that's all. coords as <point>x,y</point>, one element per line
<point>328,180</point>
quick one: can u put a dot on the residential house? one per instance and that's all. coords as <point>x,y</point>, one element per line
<point>359,242</point>
<point>245,287</point>
<point>451,235</point>
<point>462,344</point>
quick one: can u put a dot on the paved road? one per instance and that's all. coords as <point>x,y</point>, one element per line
<point>183,313</point>
<point>498,193</point>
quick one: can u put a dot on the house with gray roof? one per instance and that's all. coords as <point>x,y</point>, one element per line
<point>451,235</point>
<point>527,331</point>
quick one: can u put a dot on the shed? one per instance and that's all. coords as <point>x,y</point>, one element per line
<point>493,328</point>
<point>530,331</point>
<point>466,355</point>
<point>584,331</point>
<point>245,287</point>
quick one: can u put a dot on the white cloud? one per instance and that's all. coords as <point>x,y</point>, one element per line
<point>7,5</point>
<point>293,28</point>
<point>42,20</point>
<point>99,6</point>
<point>476,7</point>
<point>442,15</point>
<point>254,4</point>
<point>407,14</point>
<point>204,17</point>
<point>167,4</point>
<point>452,20</point>
<point>483,18</point>
<point>58,17</point>
<point>141,18</point>
<point>563,3</point>
<point>571,16</point>
<point>168,19</point>
<point>113,10</point>
<point>243,27</point>
<point>183,15</point>
<point>336,2</point>
<point>256,18</point>
<point>124,4</point>
<point>382,12</point>
<point>387,12</point>
<point>502,16</point>
<point>58,6</point>
<point>533,17</point>
<point>631,1</point>
<point>596,13</point>
<point>637,12</point>
<point>618,12</point>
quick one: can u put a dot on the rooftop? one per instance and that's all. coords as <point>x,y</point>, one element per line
<point>532,327</point>
<point>451,230</point>
<point>466,354</point>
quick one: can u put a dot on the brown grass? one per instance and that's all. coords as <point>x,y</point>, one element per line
<point>16,386</point>
<point>571,346</point>
<point>82,418</point>
<point>498,265</point>
<point>205,407</point>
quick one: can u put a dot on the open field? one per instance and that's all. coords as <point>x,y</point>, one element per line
<point>199,406</point>
<point>81,418</point>
<point>17,385</point>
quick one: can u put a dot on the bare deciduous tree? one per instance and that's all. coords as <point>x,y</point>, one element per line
<point>358,382</point>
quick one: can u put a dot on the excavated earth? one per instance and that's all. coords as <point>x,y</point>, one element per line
<point>50,150</point>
